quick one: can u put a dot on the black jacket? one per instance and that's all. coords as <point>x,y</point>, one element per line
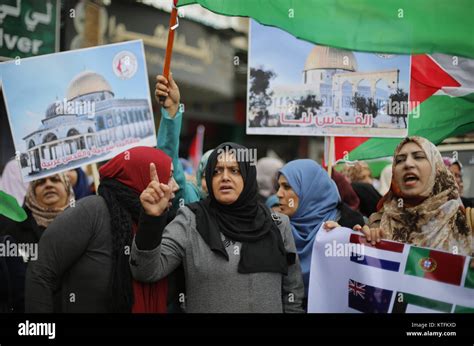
<point>349,218</point>
<point>13,269</point>
<point>27,231</point>
<point>12,281</point>
<point>368,196</point>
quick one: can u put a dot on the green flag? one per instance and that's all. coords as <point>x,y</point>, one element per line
<point>10,208</point>
<point>385,26</point>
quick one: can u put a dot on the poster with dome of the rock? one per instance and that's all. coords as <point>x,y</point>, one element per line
<point>77,107</point>
<point>298,88</point>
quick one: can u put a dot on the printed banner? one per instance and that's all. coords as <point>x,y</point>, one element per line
<point>299,88</point>
<point>77,107</point>
<point>390,277</point>
<point>28,28</point>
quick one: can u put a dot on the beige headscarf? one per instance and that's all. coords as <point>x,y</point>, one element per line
<point>44,216</point>
<point>437,220</point>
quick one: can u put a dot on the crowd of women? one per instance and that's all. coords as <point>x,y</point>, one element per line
<point>239,239</point>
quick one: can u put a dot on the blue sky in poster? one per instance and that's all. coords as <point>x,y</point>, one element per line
<point>286,55</point>
<point>35,83</point>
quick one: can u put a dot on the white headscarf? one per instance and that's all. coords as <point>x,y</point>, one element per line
<point>267,169</point>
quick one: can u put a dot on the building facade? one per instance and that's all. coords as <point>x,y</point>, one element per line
<point>90,118</point>
<point>331,74</point>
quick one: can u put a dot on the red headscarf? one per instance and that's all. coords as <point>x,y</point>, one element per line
<point>132,168</point>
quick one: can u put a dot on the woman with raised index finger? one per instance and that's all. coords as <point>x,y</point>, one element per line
<point>236,256</point>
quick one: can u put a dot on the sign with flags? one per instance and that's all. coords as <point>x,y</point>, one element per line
<point>389,277</point>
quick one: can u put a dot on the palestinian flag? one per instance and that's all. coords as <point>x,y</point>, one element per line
<point>410,303</point>
<point>10,208</point>
<point>435,265</point>
<point>388,26</point>
<point>445,94</point>
<point>442,84</point>
<point>469,282</point>
<point>443,88</point>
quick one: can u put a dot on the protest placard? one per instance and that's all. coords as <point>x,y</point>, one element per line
<point>299,88</point>
<point>389,277</point>
<point>77,107</point>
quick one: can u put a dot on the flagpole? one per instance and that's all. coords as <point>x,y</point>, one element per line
<point>169,46</point>
<point>331,155</point>
<point>96,176</point>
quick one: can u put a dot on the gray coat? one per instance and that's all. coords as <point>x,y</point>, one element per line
<point>213,283</point>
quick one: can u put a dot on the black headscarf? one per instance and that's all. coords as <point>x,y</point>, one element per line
<point>368,196</point>
<point>246,220</point>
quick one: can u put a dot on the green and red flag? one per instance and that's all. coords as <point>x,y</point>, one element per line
<point>388,26</point>
<point>442,87</point>
<point>10,208</point>
<point>435,265</point>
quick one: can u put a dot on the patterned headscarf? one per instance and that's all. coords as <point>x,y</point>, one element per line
<point>436,219</point>
<point>44,216</point>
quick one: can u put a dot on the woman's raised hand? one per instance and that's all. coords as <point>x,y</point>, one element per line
<point>168,89</point>
<point>373,235</point>
<point>155,199</point>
